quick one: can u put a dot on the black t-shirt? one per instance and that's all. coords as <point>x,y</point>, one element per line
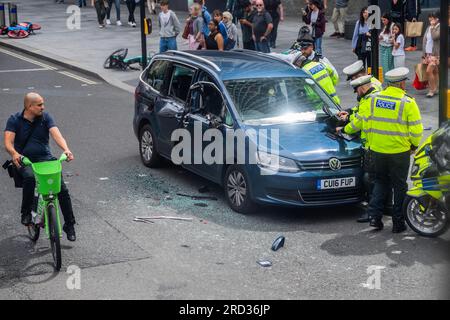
<point>246,30</point>
<point>260,23</point>
<point>37,149</point>
<point>271,6</point>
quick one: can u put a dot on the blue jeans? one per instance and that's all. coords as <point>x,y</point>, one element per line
<point>108,10</point>
<point>81,3</point>
<point>169,43</point>
<point>262,46</point>
<point>318,45</point>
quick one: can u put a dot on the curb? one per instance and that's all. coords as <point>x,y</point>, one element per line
<point>65,63</point>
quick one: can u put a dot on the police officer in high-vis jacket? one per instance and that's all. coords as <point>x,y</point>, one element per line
<point>365,90</point>
<point>393,127</point>
<point>322,73</point>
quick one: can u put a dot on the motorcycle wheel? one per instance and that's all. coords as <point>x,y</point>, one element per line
<point>430,223</point>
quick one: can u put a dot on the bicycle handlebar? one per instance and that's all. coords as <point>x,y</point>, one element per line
<point>27,162</point>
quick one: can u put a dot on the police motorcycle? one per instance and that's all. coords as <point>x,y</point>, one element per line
<point>427,204</point>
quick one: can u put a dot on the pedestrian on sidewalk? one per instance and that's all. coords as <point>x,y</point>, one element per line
<point>431,51</point>
<point>413,12</point>
<point>131,5</point>
<point>195,27</point>
<point>151,4</point>
<point>82,3</point>
<point>275,9</point>
<point>206,19</point>
<point>399,46</point>
<point>317,22</point>
<point>231,30</point>
<point>361,38</point>
<point>214,41</point>
<point>100,8</point>
<point>108,12</point>
<point>396,11</point>
<point>386,40</point>
<point>169,28</point>
<point>218,16</point>
<point>262,27</point>
<point>247,26</point>
<point>338,17</point>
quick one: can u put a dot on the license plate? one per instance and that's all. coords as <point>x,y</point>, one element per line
<point>337,183</point>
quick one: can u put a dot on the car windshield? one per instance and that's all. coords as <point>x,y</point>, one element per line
<point>279,100</point>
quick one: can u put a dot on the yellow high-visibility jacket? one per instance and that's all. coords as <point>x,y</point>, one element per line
<point>320,73</point>
<point>391,121</point>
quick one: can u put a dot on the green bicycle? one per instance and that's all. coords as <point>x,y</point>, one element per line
<point>46,215</point>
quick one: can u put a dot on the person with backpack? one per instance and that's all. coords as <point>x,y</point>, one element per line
<point>315,18</point>
<point>27,134</point>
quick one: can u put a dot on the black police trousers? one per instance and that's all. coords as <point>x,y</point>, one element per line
<point>391,171</point>
<point>29,184</point>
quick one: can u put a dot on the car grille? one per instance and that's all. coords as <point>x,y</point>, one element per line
<point>323,164</point>
<point>282,194</point>
<point>331,195</point>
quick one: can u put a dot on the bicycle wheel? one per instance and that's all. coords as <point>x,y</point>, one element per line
<point>54,236</point>
<point>18,34</point>
<point>34,232</point>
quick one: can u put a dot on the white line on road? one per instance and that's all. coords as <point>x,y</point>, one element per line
<point>79,78</point>
<point>12,54</point>
<point>48,67</point>
<point>24,70</point>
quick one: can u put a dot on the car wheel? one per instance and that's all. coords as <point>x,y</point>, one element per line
<point>147,147</point>
<point>237,190</point>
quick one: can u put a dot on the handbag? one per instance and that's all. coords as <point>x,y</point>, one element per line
<point>419,85</point>
<point>414,29</point>
<point>13,172</point>
<point>421,72</point>
<point>187,29</point>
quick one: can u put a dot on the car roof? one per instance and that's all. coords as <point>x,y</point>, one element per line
<point>239,63</point>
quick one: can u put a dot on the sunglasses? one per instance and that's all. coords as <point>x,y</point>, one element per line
<point>259,5</point>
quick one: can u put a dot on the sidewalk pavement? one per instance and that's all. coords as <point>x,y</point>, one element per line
<point>85,50</point>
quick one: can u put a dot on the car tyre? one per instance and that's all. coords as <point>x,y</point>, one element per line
<point>237,190</point>
<point>147,147</point>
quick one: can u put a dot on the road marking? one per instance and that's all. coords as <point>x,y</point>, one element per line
<point>76,77</point>
<point>24,70</point>
<point>47,67</point>
<point>12,54</point>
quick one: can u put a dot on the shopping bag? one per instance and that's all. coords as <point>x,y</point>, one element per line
<point>419,85</point>
<point>414,29</point>
<point>421,72</point>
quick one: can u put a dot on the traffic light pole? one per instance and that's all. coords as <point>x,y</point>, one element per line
<point>143,35</point>
<point>443,68</point>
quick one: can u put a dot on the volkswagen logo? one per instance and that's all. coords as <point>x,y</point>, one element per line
<point>334,164</point>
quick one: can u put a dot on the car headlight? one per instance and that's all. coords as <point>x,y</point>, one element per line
<point>276,163</point>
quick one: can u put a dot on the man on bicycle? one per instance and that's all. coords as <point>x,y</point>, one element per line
<point>27,134</point>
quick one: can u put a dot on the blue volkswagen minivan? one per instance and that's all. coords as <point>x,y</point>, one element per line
<point>246,91</point>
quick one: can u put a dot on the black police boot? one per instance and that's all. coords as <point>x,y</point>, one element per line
<point>70,231</point>
<point>376,223</point>
<point>398,226</point>
<point>364,217</point>
<point>26,219</point>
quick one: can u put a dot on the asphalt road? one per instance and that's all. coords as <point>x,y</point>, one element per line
<point>326,254</point>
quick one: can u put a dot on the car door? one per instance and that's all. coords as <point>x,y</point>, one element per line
<point>207,112</point>
<point>152,91</point>
<point>170,115</point>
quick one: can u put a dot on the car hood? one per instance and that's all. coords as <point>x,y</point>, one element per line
<point>307,141</point>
